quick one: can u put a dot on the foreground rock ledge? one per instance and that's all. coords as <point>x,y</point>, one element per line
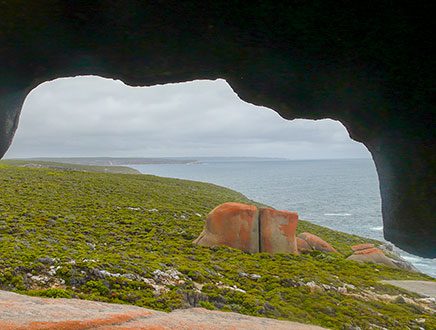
<point>24,312</point>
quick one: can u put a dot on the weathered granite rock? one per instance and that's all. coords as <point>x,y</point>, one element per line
<point>232,224</point>
<point>363,246</point>
<point>303,246</point>
<point>317,243</point>
<point>246,228</point>
<point>382,255</point>
<point>277,231</point>
<point>19,312</point>
<point>372,255</point>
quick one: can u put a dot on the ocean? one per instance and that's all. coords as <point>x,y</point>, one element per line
<point>340,194</point>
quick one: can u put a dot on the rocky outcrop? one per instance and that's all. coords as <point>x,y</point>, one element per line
<point>382,256</point>
<point>316,243</point>
<point>372,255</point>
<point>246,228</point>
<point>232,224</point>
<point>277,231</point>
<point>32,313</point>
<point>304,59</point>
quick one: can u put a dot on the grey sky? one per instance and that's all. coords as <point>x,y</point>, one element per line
<point>92,116</point>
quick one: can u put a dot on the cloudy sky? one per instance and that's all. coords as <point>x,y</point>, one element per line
<point>92,116</point>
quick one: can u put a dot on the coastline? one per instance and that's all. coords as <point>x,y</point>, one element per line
<point>425,265</point>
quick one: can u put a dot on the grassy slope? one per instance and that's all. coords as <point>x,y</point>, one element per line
<point>137,224</point>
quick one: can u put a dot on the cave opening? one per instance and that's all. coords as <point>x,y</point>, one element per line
<point>227,141</point>
<point>312,167</point>
<point>202,131</point>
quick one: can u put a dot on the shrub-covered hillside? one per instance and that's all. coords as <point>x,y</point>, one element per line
<point>127,238</point>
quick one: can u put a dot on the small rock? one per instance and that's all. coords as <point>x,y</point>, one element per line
<point>313,286</point>
<point>91,246</point>
<point>349,286</point>
<point>326,287</point>
<point>342,290</point>
<point>46,260</point>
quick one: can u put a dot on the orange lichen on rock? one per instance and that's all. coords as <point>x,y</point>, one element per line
<point>84,324</point>
<point>317,243</point>
<point>277,231</point>
<point>371,250</point>
<point>303,246</point>
<point>232,224</point>
<point>372,255</point>
<point>19,312</point>
<point>246,228</point>
<point>363,246</point>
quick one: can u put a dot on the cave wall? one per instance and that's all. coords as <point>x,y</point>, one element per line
<point>366,64</point>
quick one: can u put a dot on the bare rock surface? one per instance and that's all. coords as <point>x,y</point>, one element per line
<point>232,224</point>
<point>372,255</point>
<point>303,246</point>
<point>368,253</point>
<point>277,231</point>
<point>24,312</point>
<point>317,243</point>
<point>363,246</point>
<point>247,228</point>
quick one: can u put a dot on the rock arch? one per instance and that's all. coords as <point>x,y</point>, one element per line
<point>369,67</point>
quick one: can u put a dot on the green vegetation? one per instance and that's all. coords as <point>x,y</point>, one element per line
<point>127,238</point>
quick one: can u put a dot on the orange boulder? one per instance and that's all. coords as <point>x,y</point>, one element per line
<point>232,224</point>
<point>277,231</point>
<point>303,246</point>
<point>317,243</point>
<point>246,228</point>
